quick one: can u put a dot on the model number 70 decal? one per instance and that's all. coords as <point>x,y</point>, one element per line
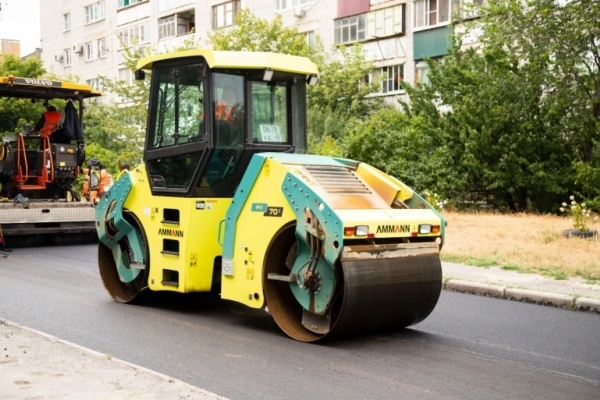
<point>273,212</point>
<point>266,210</point>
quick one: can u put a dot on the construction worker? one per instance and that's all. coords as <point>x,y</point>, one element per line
<point>229,116</point>
<point>106,181</point>
<point>124,168</point>
<point>86,183</point>
<point>48,122</point>
<point>100,180</point>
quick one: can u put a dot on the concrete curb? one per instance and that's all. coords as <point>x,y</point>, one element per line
<point>525,295</point>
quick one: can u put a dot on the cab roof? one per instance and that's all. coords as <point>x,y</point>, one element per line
<point>36,88</point>
<point>239,59</point>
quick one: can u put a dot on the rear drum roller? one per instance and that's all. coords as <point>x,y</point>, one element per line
<point>374,290</point>
<point>123,265</point>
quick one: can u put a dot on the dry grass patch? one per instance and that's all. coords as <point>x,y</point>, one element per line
<point>521,242</point>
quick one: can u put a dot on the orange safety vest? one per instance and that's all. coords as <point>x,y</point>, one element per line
<point>105,181</point>
<point>51,120</point>
<point>224,112</point>
<point>86,182</point>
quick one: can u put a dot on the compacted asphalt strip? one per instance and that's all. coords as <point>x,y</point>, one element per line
<point>36,365</point>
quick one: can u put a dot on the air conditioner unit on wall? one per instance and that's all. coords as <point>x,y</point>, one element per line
<point>299,13</point>
<point>58,57</point>
<point>77,48</point>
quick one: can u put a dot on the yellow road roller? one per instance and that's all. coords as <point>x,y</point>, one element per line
<point>227,200</point>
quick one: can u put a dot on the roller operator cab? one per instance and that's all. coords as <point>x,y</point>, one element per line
<point>226,200</point>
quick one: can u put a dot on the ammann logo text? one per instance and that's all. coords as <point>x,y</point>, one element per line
<point>393,228</point>
<point>170,232</point>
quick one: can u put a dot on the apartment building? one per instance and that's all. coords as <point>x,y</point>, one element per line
<point>85,38</point>
<point>10,47</point>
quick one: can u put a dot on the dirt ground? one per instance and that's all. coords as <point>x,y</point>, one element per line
<point>35,366</point>
<point>521,242</point>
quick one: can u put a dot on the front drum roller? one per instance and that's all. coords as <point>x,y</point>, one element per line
<point>377,288</point>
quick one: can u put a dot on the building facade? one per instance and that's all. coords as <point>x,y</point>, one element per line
<point>85,38</point>
<point>10,47</point>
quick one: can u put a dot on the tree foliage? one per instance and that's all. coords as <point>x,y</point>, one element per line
<point>251,33</point>
<point>512,122</point>
<point>15,113</point>
<point>558,42</point>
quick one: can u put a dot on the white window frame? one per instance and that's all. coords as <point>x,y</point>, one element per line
<point>471,8</point>
<point>126,75</point>
<point>422,73</point>
<point>94,83</point>
<point>102,50</point>
<point>224,14</point>
<point>281,5</point>
<point>94,12</point>
<point>347,24</point>
<point>167,27</point>
<point>91,50</point>
<point>95,49</point>
<point>67,54</point>
<point>66,22</point>
<point>135,35</point>
<point>429,13</point>
<point>385,22</point>
<point>127,3</point>
<point>311,39</point>
<point>390,78</point>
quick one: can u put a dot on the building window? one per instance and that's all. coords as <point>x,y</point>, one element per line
<point>281,5</point>
<point>391,77</point>
<point>166,27</point>
<point>422,73</point>
<point>176,25</point>
<point>472,8</point>
<point>94,83</point>
<point>67,57</point>
<point>95,49</point>
<point>94,12</point>
<point>385,22</point>
<point>133,36</point>
<point>431,12</point>
<point>311,39</point>
<point>224,14</point>
<point>126,3</point>
<point>102,50</point>
<point>67,22</point>
<point>350,29</point>
<point>126,75</point>
<point>91,51</point>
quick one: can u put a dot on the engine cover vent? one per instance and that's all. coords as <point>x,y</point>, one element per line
<point>338,180</point>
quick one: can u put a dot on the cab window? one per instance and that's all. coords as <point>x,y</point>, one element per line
<point>269,113</point>
<point>179,94</point>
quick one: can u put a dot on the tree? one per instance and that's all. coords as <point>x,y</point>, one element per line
<point>559,41</point>
<point>15,113</point>
<point>510,130</point>
<point>251,33</point>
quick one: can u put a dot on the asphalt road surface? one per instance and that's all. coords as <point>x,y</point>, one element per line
<point>470,347</point>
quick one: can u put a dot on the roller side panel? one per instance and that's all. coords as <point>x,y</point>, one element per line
<point>184,235</point>
<point>258,211</point>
